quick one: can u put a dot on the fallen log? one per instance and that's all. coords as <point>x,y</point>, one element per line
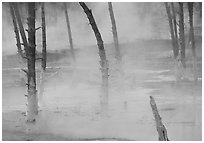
<point>162,132</point>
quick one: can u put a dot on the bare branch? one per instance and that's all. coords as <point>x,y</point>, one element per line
<point>38,58</point>
<point>37,28</point>
<point>25,57</point>
<point>26,71</point>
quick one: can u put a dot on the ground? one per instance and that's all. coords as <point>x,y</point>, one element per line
<point>70,109</point>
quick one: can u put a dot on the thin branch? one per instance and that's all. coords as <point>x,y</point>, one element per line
<point>26,71</point>
<point>25,57</point>
<point>37,28</point>
<point>38,58</point>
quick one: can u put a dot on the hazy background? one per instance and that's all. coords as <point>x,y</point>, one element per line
<point>134,20</point>
<point>71,108</point>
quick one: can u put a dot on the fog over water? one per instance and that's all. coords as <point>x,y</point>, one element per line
<point>134,21</point>
<point>70,104</point>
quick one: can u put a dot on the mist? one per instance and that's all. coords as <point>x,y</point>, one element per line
<point>130,24</point>
<point>71,92</point>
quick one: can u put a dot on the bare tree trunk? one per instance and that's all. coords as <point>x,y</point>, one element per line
<point>30,56</point>
<point>174,37</point>
<point>41,88</point>
<point>181,34</point>
<point>175,29</point>
<point>32,92</point>
<point>21,29</point>
<point>162,132</point>
<point>18,44</point>
<point>44,53</point>
<point>200,8</point>
<point>178,66</point>
<point>192,39</point>
<point>69,32</point>
<point>171,28</point>
<point>21,55</point>
<point>118,54</point>
<point>44,56</point>
<point>114,30</point>
<point>102,54</point>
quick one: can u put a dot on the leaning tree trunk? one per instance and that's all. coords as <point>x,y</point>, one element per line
<point>181,34</point>
<point>102,54</point>
<point>117,53</point>
<point>173,40</point>
<point>21,55</point>
<point>43,64</point>
<point>175,29</point>
<point>21,29</point>
<point>192,39</point>
<point>18,44</point>
<point>69,32</point>
<point>114,30</point>
<point>162,132</point>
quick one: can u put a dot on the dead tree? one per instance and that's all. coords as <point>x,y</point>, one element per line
<point>174,39</point>
<point>175,29</point>
<point>44,53</point>
<point>41,88</point>
<point>20,52</point>
<point>200,9</point>
<point>32,100</point>
<point>102,54</point>
<point>69,32</point>
<point>32,92</point>
<point>18,42</point>
<point>192,39</point>
<point>21,29</point>
<point>115,34</point>
<point>171,26</point>
<point>162,132</point>
<point>44,57</point>
<point>181,35</point>
<point>118,55</point>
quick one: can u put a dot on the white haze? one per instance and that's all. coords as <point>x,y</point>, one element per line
<point>71,100</point>
<point>130,24</point>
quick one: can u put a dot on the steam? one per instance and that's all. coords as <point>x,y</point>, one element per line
<point>130,24</point>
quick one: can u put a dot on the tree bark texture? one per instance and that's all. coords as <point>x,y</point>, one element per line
<point>69,32</point>
<point>44,53</point>
<point>200,8</point>
<point>102,54</point>
<point>192,39</point>
<point>118,55</point>
<point>115,34</point>
<point>29,47</point>
<point>18,42</point>
<point>21,29</point>
<point>162,132</point>
<point>32,92</point>
<point>170,19</point>
<point>175,29</point>
<point>181,34</point>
